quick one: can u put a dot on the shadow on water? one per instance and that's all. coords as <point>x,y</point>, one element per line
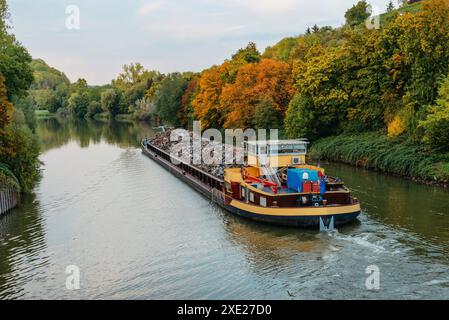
<point>23,246</point>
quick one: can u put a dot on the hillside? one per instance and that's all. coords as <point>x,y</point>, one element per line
<point>46,77</point>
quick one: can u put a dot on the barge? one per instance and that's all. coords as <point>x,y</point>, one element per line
<point>274,186</point>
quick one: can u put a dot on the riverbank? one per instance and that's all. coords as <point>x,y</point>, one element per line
<point>9,189</point>
<point>9,199</point>
<point>377,152</point>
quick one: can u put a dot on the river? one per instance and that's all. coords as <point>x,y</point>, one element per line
<point>136,232</point>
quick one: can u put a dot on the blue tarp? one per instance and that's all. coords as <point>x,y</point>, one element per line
<point>296,177</point>
<point>323,185</point>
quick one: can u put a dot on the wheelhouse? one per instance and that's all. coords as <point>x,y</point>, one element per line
<point>276,153</point>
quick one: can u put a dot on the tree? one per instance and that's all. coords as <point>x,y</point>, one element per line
<point>6,108</point>
<point>134,83</point>
<point>415,49</point>
<point>266,116</point>
<point>14,58</point>
<point>249,54</point>
<point>390,6</point>
<point>206,102</point>
<point>436,124</point>
<point>301,119</point>
<point>19,148</point>
<point>315,28</point>
<point>186,114</point>
<point>110,101</point>
<point>94,108</point>
<point>78,102</point>
<point>358,13</point>
<point>132,74</point>
<point>255,82</point>
<point>282,50</point>
<point>168,98</point>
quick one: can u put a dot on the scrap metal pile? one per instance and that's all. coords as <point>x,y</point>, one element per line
<point>162,141</point>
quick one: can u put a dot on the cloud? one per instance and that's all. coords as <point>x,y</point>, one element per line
<point>150,7</point>
<point>265,7</point>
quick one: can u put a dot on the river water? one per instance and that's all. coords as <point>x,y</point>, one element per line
<point>136,232</point>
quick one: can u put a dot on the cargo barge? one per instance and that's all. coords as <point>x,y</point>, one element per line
<point>290,193</point>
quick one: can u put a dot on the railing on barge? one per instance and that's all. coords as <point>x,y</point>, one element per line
<point>199,174</point>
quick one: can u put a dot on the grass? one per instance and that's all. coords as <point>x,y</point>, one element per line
<point>376,151</point>
<point>125,117</point>
<point>44,114</point>
<point>408,8</point>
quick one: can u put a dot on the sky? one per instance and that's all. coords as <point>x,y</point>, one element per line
<point>164,35</point>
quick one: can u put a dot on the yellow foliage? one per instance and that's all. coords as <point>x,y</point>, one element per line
<point>396,127</point>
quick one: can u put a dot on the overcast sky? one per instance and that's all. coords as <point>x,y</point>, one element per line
<point>167,35</point>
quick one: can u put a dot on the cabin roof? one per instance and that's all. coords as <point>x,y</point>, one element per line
<point>275,142</point>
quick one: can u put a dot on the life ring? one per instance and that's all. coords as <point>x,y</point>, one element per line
<point>316,204</point>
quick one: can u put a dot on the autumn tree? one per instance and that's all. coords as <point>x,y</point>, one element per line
<point>206,103</point>
<point>255,82</point>
<point>186,114</point>
<point>6,108</point>
<point>19,148</point>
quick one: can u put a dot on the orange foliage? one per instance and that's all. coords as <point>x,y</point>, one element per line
<point>6,108</point>
<point>185,113</point>
<point>207,101</point>
<point>268,79</point>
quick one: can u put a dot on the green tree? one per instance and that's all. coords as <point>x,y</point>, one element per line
<point>14,59</point>
<point>19,148</point>
<point>249,54</point>
<point>357,14</point>
<point>390,6</point>
<point>436,124</point>
<point>266,116</point>
<point>78,102</point>
<point>110,101</point>
<point>168,99</point>
<point>302,120</point>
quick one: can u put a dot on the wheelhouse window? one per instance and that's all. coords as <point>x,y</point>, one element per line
<point>251,197</point>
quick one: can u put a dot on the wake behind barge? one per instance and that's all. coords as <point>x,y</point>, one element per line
<point>291,194</point>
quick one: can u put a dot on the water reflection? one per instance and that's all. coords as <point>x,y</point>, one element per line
<point>23,247</point>
<point>56,132</point>
<point>401,204</point>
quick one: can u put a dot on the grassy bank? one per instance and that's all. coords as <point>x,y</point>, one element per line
<point>44,114</point>
<point>392,156</point>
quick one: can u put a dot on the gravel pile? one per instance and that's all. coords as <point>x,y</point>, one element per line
<point>162,141</point>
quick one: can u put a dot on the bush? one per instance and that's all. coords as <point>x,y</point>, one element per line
<point>436,124</point>
<point>19,148</point>
<point>376,151</point>
<point>8,179</point>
